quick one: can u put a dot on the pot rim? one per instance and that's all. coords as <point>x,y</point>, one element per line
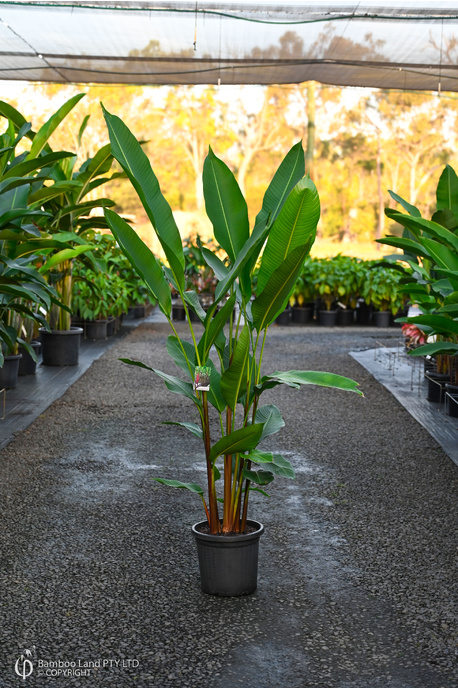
<point>11,357</point>
<point>228,539</point>
<point>73,331</point>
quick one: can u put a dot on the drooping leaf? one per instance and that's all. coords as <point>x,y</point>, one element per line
<point>317,378</point>
<point>413,210</point>
<point>439,324</point>
<point>274,462</point>
<point>241,440</point>
<point>142,259</point>
<point>175,350</point>
<point>193,428</point>
<point>174,483</point>
<point>44,133</point>
<point>260,477</point>
<point>192,299</point>
<point>440,347</point>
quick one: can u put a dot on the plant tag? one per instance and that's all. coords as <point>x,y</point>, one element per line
<point>202,378</point>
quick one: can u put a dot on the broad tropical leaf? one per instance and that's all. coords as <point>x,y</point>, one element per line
<point>441,347</point>
<point>317,378</point>
<point>215,327</point>
<point>413,210</point>
<point>142,259</point>
<point>447,191</point>
<point>193,428</point>
<point>270,416</point>
<point>276,463</point>
<point>238,441</point>
<point>294,227</point>
<point>174,483</point>
<point>42,136</point>
<point>234,379</point>
<point>260,477</point>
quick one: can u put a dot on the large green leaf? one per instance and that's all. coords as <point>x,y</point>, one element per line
<point>10,113</point>
<point>65,255</point>
<point>294,227</point>
<point>261,477</point>
<point>42,136</point>
<point>447,191</point>
<point>271,302</point>
<point>407,245</point>
<point>270,416</point>
<point>215,396</point>
<point>225,205</point>
<point>420,226</point>
<point>240,440</point>
<point>440,324</point>
<point>130,155</point>
<point>51,192</point>
<point>99,165</point>
<point>276,463</point>
<point>175,350</point>
<point>441,347</point>
<point>28,166</point>
<point>234,379</point>
<point>443,256</point>
<point>296,378</point>
<point>142,259</point>
<point>413,210</point>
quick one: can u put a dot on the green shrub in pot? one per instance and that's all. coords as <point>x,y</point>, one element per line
<point>227,389</point>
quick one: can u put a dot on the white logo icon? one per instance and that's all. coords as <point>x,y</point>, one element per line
<point>23,666</point>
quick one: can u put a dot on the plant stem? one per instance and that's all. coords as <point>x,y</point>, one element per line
<point>227,518</point>
<point>214,517</point>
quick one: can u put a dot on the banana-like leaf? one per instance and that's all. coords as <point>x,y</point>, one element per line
<point>65,255</point>
<point>270,416</point>
<point>443,256</point>
<point>51,192</point>
<point>260,477</point>
<point>447,191</point>
<point>130,155</point>
<point>10,113</point>
<point>407,245</point>
<point>175,350</point>
<point>295,226</point>
<point>215,396</point>
<point>99,165</point>
<point>28,166</point>
<point>225,205</point>
<point>42,136</point>
<point>439,324</point>
<point>413,210</point>
<point>174,384</point>
<point>192,299</point>
<point>420,226</point>
<point>194,488</point>
<point>279,287</point>
<point>241,440</point>
<point>296,378</point>
<point>441,347</point>
<point>276,463</point>
<point>142,259</point>
<point>234,379</point>
<point>193,428</point>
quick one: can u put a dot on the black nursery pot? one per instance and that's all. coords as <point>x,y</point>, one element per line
<point>382,319</point>
<point>345,317</point>
<point>451,400</point>
<point>9,371</point>
<point>61,348</point>
<point>178,312</point>
<point>96,330</point>
<point>436,386</point>
<point>26,364</point>
<point>228,563</point>
<point>302,315</point>
<point>284,318</point>
<point>327,318</point>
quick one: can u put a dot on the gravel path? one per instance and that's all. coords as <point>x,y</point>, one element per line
<point>357,573</point>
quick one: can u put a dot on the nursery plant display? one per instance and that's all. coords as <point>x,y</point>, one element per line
<point>228,389</point>
<point>431,251</point>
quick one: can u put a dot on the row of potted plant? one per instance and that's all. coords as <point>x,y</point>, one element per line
<point>429,274</point>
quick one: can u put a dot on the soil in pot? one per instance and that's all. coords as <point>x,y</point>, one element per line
<point>9,371</point>
<point>228,563</point>
<point>327,318</point>
<point>382,319</point>
<point>61,348</point>
<point>26,364</point>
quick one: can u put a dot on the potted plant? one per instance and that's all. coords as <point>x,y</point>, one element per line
<point>304,295</point>
<point>327,287</point>
<point>229,389</point>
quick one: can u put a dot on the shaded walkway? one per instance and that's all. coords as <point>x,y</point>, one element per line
<point>357,583</point>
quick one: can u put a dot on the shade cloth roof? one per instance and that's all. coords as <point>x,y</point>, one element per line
<point>391,44</point>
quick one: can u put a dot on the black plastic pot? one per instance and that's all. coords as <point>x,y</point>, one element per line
<point>363,314</point>
<point>96,330</point>
<point>382,319</point>
<point>302,315</point>
<point>451,400</point>
<point>61,348</point>
<point>9,371</point>
<point>345,317</point>
<point>111,326</point>
<point>436,386</point>
<point>178,312</point>
<point>26,364</point>
<point>228,564</point>
<point>327,318</point>
<point>284,318</point>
